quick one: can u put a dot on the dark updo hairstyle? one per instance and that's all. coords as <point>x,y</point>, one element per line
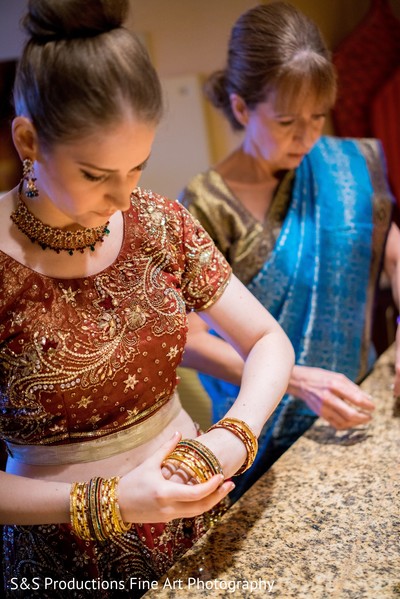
<point>80,69</point>
<point>273,48</point>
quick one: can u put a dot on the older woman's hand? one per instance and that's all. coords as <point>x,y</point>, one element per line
<point>396,385</point>
<point>332,396</point>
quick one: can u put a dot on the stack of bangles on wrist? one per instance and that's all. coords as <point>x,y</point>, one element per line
<point>245,434</point>
<point>201,460</point>
<point>196,456</point>
<point>94,509</point>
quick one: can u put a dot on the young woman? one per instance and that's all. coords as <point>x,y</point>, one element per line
<point>303,220</point>
<point>108,480</point>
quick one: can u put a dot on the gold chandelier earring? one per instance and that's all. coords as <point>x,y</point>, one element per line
<point>28,175</point>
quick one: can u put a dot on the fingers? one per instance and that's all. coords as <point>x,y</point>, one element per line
<point>206,502</point>
<point>334,397</point>
<point>171,500</point>
<point>185,501</point>
<point>351,393</point>
<point>171,469</point>
<point>396,386</point>
<point>211,500</point>
<point>168,446</point>
<point>343,403</point>
<point>178,472</point>
<point>342,415</point>
<point>188,493</point>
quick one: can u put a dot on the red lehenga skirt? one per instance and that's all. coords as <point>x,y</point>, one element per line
<point>51,562</point>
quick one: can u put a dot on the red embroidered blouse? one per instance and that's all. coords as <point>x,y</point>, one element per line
<point>81,358</point>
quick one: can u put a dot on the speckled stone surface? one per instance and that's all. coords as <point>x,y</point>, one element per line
<point>324,522</point>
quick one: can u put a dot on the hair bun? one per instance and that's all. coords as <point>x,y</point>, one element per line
<point>48,20</point>
<point>215,89</point>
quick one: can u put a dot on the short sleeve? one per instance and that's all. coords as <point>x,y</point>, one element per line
<point>206,271</point>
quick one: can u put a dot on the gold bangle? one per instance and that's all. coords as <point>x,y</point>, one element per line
<point>94,509</point>
<point>79,510</point>
<point>245,434</point>
<point>198,473</point>
<point>197,457</point>
<point>120,527</point>
<point>204,453</point>
<point>94,487</point>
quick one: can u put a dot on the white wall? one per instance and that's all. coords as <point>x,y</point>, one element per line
<point>181,148</point>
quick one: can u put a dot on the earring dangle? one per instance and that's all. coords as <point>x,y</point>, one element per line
<point>28,174</point>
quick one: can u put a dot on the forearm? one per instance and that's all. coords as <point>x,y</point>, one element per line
<point>392,270</point>
<point>28,501</point>
<point>265,377</point>
<point>392,262</point>
<point>266,350</point>
<point>268,359</point>
<point>211,355</point>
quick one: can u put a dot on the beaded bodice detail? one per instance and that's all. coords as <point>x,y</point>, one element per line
<point>85,357</point>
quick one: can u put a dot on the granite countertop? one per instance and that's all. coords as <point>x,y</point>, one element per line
<point>323,522</point>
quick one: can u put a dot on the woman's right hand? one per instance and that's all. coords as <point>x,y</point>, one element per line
<point>332,396</point>
<point>146,495</point>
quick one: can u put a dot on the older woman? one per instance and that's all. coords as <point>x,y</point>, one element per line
<point>303,220</point>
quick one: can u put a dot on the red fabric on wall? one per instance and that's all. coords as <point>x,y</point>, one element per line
<point>385,123</point>
<point>364,61</point>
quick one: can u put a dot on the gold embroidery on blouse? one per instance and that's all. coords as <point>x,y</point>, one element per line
<point>83,358</point>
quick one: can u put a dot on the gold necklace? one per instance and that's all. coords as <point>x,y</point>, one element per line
<point>52,238</point>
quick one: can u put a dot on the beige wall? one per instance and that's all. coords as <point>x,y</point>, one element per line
<point>190,37</point>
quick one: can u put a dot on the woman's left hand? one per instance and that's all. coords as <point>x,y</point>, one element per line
<point>227,448</point>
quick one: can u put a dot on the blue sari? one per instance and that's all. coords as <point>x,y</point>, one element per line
<point>319,280</point>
